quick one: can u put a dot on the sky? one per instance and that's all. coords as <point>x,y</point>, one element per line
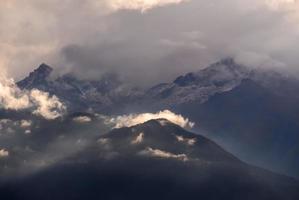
<point>145,41</point>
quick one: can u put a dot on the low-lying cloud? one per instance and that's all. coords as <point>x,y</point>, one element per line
<point>41,103</point>
<point>49,107</point>
<point>188,141</point>
<point>11,97</point>
<point>25,123</point>
<point>163,154</point>
<point>138,139</point>
<point>3,153</point>
<point>82,119</point>
<point>134,119</point>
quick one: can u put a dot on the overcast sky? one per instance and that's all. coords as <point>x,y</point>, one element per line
<point>145,40</point>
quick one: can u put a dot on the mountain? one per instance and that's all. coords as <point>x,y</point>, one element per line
<point>110,93</point>
<point>162,136</point>
<point>251,111</point>
<point>252,122</point>
<point>154,160</point>
<point>39,77</point>
<point>219,77</point>
<point>80,95</point>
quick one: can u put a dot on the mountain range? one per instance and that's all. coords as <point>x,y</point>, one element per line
<point>252,112</point>
<point>244,117</point>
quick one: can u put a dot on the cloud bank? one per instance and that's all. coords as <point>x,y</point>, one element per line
<point>162,42</point>
<point>11,97</point>
<point>48,106</point>
<point>134,119</point>
<point>41,103</point>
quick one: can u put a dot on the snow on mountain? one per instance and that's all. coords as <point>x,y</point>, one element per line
<point>109,93</point>
<point>219,77</point>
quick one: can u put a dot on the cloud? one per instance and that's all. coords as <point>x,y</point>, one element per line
<point>82,119</point>
<point>8,126</point>
<point>48,106</point>
<point>188,141</point>
<point>42,104</point>
<point>11,97</point>
<point>134,119</point>
<point>138,139</point>
<point>163,154</point>
<point>25,123</point>
<point>3,153</point>
<point>5,121</point>
<point>142,5</point>
<point>161,43</point>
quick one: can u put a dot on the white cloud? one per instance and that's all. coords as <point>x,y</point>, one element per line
<point>138,139</point>
<point>188,141</point>
<point>12,98</point>
<point>142,5</point>
<point>48,107</point>
<point>82,119</point>
<point>3,153</point>
<point>25,123</point>
<point>163,154</point>
<point>134,119</point>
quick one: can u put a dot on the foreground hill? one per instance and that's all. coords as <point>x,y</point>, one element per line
<point>154,160</point>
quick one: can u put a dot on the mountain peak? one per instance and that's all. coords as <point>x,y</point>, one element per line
<point>228,64</point>
<point>157,123</point>
<point>162,137</point>
<point>36,77</point>
<point>227,61</point>
<point>43,69</point>
<point>224,70</point>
